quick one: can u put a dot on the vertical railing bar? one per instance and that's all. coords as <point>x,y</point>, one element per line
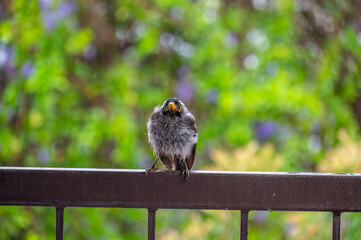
<point>59,223</point>
<point>336,226</point>
<point>151,224</point>
<point>244,225</point>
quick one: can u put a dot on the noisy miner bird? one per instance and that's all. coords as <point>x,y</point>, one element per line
<point>173,135</point>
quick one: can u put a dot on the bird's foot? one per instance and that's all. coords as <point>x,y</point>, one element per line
<point>185,173</point>
<point>151,169</point>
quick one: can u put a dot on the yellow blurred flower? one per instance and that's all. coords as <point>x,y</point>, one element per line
<point>16,146</point>
<point>252,157</point>
<point>170,234</point>
<point>198,227</point>
<point>35,119</point>
<point>308,225</point>
<point>346,157</point>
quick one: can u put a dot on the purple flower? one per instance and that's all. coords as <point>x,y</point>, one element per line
<point>46,14</point>
<point>50,18</point>
<point>9,68</point>
<point>212,96</point>
<point>185,91</point>
<point>264,130</point>
<point>260,216</point>
<point>27,69</point>
<point>3,56</point>
<point>90,52</point>
<point>183,72</point>
<point>43,156</point>
<point>289,228</point>
<point>65,9</point>
<point>6,54</point>
<point>231,39</point>
<point>7,60</point>
<point>45,5</point>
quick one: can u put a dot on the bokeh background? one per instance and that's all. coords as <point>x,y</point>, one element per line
<point>274,84</point>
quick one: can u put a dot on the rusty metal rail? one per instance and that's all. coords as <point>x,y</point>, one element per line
<point>243,191</point>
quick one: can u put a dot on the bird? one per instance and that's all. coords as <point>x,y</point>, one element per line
<point>172,133</point>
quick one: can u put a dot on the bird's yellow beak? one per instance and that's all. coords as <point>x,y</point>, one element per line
<point>171,107</point>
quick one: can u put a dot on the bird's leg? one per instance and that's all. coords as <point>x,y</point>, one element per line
<point>181,165</point>
<point>178,164</point>
<point>185,171</point>
<point>152,168</point>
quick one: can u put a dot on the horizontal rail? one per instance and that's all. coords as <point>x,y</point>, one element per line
<point>60,187</point>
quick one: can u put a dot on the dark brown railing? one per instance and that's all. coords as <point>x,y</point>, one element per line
<point>243,191</point>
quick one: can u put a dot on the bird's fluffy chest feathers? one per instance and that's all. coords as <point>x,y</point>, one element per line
<point>170,135</point>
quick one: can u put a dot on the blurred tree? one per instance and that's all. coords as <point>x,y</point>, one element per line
<point>269,81</point>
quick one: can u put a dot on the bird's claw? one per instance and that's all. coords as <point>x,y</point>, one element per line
<point>185,173</point>
<point>151,169</point>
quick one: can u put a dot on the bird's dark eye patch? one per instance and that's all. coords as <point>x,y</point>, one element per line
<point>166,104</point>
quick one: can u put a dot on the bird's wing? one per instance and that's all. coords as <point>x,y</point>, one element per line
<point>167,160</point>
<point>191,123</point>
<point>190,158</point>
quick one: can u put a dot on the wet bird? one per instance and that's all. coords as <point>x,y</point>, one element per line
<point>173,135</point>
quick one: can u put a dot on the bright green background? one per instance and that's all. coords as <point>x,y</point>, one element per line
<point>274,84</point>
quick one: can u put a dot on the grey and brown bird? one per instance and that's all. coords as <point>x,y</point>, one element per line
<point>173,135</point>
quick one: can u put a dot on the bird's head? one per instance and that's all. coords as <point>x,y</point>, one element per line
<point>173,106</point>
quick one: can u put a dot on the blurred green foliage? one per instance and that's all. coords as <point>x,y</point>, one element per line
<point>274,85</point>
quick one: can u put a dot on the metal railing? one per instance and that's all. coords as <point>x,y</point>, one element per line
<point>243,191</point>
